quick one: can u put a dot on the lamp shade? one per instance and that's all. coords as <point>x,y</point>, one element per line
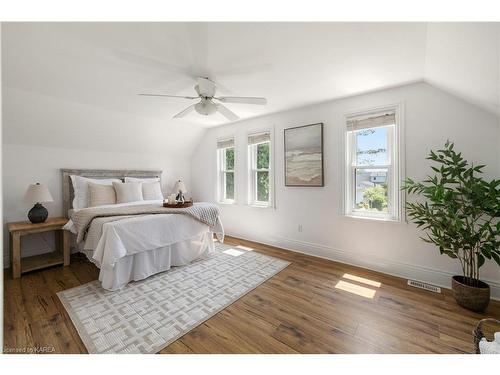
<point>180,187</point>
<point>37,193</point>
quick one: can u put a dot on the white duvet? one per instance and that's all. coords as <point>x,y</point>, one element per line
<point>137,234</point>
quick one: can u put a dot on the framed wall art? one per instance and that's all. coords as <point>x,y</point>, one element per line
<point>304,156</point>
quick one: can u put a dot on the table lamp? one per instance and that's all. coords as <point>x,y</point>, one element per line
<point>35,194</point>
<point>180,188</point>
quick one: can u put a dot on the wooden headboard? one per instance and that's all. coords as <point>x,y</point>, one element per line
<point>67,186</point>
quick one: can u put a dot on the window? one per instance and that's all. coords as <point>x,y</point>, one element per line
<point>260,174</point>
<point>372,184</point>
<point>225,166</point>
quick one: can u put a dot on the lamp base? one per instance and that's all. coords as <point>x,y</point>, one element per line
<point>38,214</point>
<point>180,198</point>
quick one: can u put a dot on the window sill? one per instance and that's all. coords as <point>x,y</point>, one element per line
<point>372,218</point>
<point>229,203</point>
<point>254,205</point>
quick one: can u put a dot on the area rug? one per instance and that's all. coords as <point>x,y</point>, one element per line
<point>148,315</point>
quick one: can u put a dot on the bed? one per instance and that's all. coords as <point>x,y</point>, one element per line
<point>132,241</point>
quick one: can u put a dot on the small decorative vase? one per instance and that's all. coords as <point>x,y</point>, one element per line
<point>475,298</point>
<point>180,198</point>
<point>38,214</point>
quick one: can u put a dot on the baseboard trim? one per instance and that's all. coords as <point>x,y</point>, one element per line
<point>391,267</point>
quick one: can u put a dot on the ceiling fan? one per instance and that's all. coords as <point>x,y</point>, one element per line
<point>205,89</point>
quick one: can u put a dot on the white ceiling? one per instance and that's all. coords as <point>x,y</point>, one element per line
<point>464,59</point>
<point>105,65</point>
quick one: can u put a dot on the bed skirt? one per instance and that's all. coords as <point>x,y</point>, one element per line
<point>147,263</point>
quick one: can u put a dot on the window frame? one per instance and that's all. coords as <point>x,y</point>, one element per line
<point>222,173</point>
<point>395,166</point>
<point>252,170</point>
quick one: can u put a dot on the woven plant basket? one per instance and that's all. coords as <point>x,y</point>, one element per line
<point>478,331</point>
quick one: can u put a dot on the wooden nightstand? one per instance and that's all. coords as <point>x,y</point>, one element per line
<point>60,256</point>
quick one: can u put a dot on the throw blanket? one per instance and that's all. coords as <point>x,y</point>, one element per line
<point>207,213</point>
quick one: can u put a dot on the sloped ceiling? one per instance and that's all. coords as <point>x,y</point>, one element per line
<point>464,59</point>
<point>97,69</point>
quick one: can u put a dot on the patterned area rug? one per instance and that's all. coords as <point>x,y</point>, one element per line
<point>148,315</point>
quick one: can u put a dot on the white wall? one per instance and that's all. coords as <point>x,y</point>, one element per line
<point>431,117</point>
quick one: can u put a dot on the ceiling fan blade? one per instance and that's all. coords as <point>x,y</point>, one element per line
<point>227,113</point>
<point>171,96</point>
<point>242,99</point>
<point>185,111</point>
<point>206,87</point>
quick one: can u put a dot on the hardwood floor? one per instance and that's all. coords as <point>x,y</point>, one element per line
<point>299,310</point>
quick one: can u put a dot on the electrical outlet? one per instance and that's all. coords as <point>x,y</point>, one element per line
<point>299,228</point>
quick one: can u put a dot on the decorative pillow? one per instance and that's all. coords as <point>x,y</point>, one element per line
<point>99,195</point>
<point>151,191</point>
<point>149,179</point>
<point>128,192</point>
<point>81,189</point>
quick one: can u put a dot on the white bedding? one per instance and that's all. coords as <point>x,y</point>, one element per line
<point>137,234</point>
<point>147,263</point>
<point>135,247</point>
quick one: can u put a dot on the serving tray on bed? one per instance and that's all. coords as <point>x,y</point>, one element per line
<point>178,205</point>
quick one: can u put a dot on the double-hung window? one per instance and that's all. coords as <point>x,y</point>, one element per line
<point>372,170</point>
<point>260,174</point>
<point>225,167</point>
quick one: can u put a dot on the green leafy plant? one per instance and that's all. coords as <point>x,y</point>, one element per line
<point>263,177</point>
<point>460,212</point>
<point>375,198</point>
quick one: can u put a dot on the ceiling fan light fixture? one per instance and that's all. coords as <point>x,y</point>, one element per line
<point>206,88</point>
<point>206,107</point>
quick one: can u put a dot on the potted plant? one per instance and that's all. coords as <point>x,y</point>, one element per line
<point>460,214</point>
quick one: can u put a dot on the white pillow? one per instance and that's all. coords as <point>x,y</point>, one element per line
<point>149,179</point>
<point>128,192</point>
<point>151,191</point>
<point>99,195</point>
<point>81,189</point>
